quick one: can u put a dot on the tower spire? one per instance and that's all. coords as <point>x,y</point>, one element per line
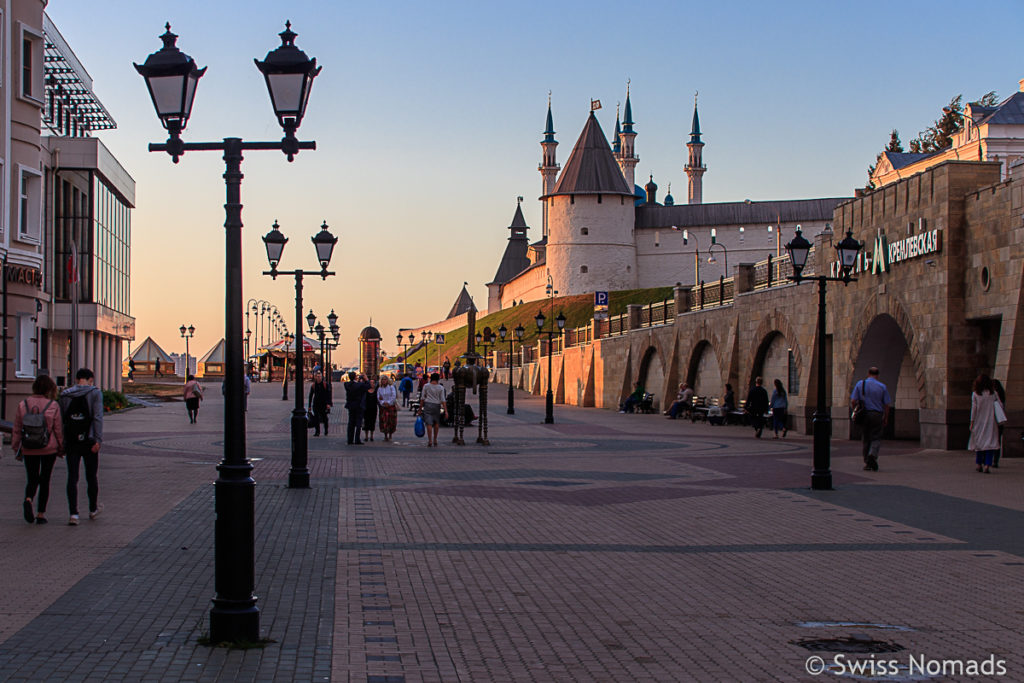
<point>695,167</point>
<point>548,166</point>
<point>616,143</point>
<point>625,154</point>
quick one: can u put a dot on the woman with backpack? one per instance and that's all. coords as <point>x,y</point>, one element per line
<point>38,439</point>
<point>193,394</point>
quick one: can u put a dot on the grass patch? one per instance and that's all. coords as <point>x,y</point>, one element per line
<point>578,311</point>
<point>113,400</point>
<point>160,390</point>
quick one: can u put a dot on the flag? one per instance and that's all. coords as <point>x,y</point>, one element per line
<point>595,105</point>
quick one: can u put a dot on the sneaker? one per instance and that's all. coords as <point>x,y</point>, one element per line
<point>73,520</point>
<point>96,513</point>
<point>29,517</point>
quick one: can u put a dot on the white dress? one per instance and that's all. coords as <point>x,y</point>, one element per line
<point>985,431</point>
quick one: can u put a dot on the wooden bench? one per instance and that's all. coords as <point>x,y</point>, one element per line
<point>699,410</point>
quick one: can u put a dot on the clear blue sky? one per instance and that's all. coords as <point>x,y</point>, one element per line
<point>428,116</point>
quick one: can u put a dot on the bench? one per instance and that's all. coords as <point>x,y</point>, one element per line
<point>699,409</point>
<point>646,406</point>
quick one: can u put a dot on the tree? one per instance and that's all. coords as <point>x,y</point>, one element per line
<point>939,135</point>
<point>894,146</point>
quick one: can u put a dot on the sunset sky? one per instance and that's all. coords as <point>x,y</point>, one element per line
<point>427,118</point>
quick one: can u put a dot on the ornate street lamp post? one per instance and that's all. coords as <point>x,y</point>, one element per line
<point>799,248</point>
<point>171,77</point>
<point>288,339</point>
<point>549,407</point>
<point>298,475</point>
<point>517,336</point>
<point>191,332</point>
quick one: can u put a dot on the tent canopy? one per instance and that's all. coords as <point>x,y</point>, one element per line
<point>150,351</point>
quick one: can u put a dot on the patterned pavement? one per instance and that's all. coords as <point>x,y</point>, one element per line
<point>605,547</point>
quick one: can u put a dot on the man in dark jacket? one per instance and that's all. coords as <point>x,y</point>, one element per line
<point>355,396</point>
<point>320,402</point>
<point>757,406</point>
<point>82,408</point>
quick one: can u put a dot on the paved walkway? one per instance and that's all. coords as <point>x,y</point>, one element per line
<point>605,547</point>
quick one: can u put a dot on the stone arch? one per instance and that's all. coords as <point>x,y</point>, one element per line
<point>704,373</point>
<point>772,326</point>
<point>652,374</point>
<point>891,307</point>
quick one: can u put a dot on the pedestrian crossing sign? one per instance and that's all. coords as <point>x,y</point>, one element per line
<point>439,338</point>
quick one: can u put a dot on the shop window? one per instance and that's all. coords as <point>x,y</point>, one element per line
<point>30,184</point>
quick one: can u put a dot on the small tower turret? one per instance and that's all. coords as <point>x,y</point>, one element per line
<point>548,167</point>
<point>695,167</point>
<point>616,143</point>
<point>626,157</point>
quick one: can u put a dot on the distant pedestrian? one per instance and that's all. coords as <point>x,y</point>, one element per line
<point>683,402</point>
<point>417,370</point>
<point>757,405</point>
<point>447,369</point>
<point>432,406</point>
<point>873,397</point>
<point>355,395</point>
<point>131,369</point>
<point>634,399</point>
<point>82,409</point>
<point>38,440</point>
<point>193,394</point>
<point>156,369</point>
<point>779,406</point>
<point>405,386</point>
<point>997,386</point>
<point>387,399</point>
<point>370,411</point>
<point>984,426</point>
<point>320,402</point>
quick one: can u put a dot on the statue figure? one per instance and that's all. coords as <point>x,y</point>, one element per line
<point>470,375</point>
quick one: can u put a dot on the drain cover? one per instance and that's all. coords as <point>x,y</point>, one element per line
<point>850,645</point>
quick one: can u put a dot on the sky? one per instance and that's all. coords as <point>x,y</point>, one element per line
<point>428,118</point>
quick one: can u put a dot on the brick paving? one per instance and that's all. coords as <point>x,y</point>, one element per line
<point>605,547</point>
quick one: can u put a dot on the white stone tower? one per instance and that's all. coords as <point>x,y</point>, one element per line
<point>695,168</point>
<point>548,167</point>
<point>590,212</point>
<point>625,152</point>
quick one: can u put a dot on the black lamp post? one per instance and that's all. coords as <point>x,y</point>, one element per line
<point>711,252</point>
<point>799,248</point>
<point>321,333</point>
<point>191,332</point>
<point>288,339</point>
<point>298,475</point>
<point>171,77</point>
<point>517,336</point>
<point>549,408</point>
<point>405,353</point>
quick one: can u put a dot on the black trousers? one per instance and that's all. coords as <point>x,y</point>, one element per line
<point>355,423</point>
<point>76,454</point>
<point>319,418</point>
<point>39,468</point>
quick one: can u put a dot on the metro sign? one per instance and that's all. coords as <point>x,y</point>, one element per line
<point>887,254</point>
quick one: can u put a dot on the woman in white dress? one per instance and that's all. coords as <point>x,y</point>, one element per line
<point>984,428</point>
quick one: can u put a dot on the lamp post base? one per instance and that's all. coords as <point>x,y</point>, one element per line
<point>234,622</point>
<point>549,416</point>
<point>298,475</point>
<point>511,398</point>
<point>821,476</point>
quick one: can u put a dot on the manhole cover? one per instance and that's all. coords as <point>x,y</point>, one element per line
<point>550,483</point>
<point>850,645</point>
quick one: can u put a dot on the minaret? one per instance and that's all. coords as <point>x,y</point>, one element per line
<point>626,158</point>
<point>548,167</point>
<point>695,168</point>
<point>616,142</point>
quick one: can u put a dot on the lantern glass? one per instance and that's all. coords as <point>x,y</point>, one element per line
<point>539,319</point>
<point>799,248</point>
<point>182,330</point>
<point>560,320</point>
<point>171,78</point>
<point>332,319</point>
<point>401,337</point>
<point>289,74</point>
<point>502,331</point>
<point>848,250</point>
<point>274,241</point>
<point>311,319</point>
<point>191,330</point>
<point>519,331</point>
<point>479,337</point>
<point>324,243</point>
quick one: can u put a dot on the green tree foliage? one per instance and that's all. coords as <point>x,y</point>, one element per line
<point>939,135</point>
<point>894,146</point>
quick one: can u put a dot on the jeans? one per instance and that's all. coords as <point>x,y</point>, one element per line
<point>39,468</point>
<point>778,419</point>
<point>77,453</point>
<point>355,424</point>
<point>871,436</point>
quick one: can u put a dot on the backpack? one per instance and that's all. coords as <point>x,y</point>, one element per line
<point>78,419</point>
<point>35,433</point>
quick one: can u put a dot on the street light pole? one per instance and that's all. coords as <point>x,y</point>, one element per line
<point>191,331</point>
<point>288,339</point>
<point>274,241</point>
<point>549,406</point>
<point>172,77</point>
<point>799,248</point>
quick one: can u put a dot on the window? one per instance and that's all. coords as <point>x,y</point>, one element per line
<point>583,269</point>
<point>25,346</point>
<point>31,64</point>
<point>26,66</point>
<point>30,183</point>
<point>584,231</point>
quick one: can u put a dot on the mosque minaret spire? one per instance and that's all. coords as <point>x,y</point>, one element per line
<point>695,167</point>
<point>548,167</point>
<point>626,157</point>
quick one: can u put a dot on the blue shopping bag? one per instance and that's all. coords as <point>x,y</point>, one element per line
<point>419,427</point>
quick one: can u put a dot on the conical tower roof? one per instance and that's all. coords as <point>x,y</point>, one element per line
<point>463,304</point>
<point>591,168</point>
<point>515,259</point>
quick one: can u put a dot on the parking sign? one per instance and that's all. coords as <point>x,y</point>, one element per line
<point>600,305</point>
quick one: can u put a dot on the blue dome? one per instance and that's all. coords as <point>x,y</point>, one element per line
<point>669,201</point>
<point>639,195</point>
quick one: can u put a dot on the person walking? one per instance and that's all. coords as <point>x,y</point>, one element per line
<point>779,404</point>
<point>156,369</point>
<point>447,368</point>
<point>131,369</point>
<point>432,406</point>
<point>193,394</point>
<point>405,386</point>
<point>355,396</point>
<point>320,401</point>
<point>757,405</point>
<point>997,387</point>
<point>984,426</point>
<point>387,399</point>
<point>871,396</point>
<point>38,440</point>
<point>370,411</point>
<point>82,409</point>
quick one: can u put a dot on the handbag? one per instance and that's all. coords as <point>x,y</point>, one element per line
<point>419,428</point>
<point>1000,412</point>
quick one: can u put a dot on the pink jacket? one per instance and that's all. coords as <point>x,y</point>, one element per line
<point>192,390</point>
<point>54,423</point>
